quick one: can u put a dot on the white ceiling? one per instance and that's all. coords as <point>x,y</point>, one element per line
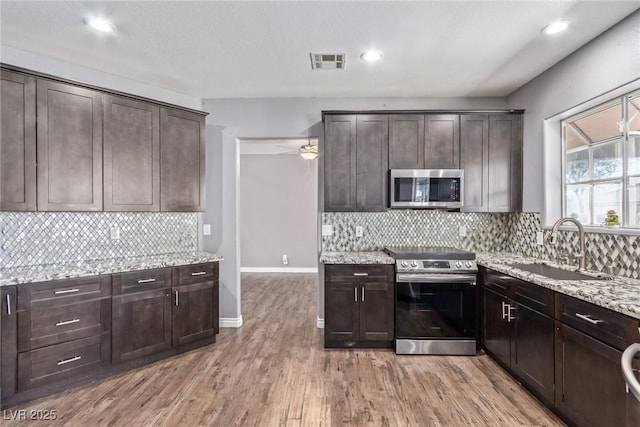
<point>212,49</point>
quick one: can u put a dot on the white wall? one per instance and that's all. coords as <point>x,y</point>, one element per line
<point>609,61</point>
<point>233,119</point>
<point>278,209</point>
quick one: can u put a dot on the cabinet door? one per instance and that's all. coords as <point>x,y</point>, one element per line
<point>372,162</point>
<point>442,141</point>
<point>590,389</point>
<point>141,324</point>
<point>17,142</point>
<point>340,163</point>
<point>376,311</point>
<point>8,342</point>
<point>496,331</point>
<point>532,349</point>
<point>341,311</point>
<point>131,155</point>
<point>505,163</point>
<point>474,160</point>
<point>406,141</point>
<point>69,148</point>
<point>182,154</point>
<point>194,314</point>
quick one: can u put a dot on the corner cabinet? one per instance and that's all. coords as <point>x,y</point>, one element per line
<point>69,147</point>
<point>491,156</point>
<point>356,163</point>
<point>359,306</point>
<point>182,160</point>
<point>17,142</point>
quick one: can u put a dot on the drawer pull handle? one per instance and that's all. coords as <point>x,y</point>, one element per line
<point>589,319</point>
<point>71,359</point>
<point>146,280</point>
<point>67,322</point>
<point>66,291</point>
<point>199,273</point>
<point>8,305</point>
<point>360,274</point>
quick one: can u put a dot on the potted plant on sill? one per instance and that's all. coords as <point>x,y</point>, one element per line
<point>612,219</point>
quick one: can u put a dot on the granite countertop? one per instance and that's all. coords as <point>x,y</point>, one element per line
<point>40,273</point>
<point>356,258</point>
<point>619,294</point>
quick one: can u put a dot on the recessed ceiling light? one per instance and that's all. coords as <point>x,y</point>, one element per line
<point>100,24</point>
<point>371,55</point>
<point>556,27</point>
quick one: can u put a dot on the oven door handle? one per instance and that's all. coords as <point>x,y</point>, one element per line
<point>436,278</point>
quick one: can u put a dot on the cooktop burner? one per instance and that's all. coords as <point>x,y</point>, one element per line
<point>429,252</point>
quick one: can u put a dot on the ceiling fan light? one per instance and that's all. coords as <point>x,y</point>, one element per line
<point>309,152</point>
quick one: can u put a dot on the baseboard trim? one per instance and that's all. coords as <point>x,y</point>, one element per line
<point>230,322</point>
<point>278,270</point>
<point>319,323</point>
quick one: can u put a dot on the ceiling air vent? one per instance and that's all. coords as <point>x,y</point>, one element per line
<point>327,61</point>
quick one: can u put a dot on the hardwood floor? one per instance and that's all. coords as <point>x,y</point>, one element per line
<point>274,371</point>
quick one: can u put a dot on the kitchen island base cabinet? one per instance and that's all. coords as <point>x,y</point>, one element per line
<point>359,306</point>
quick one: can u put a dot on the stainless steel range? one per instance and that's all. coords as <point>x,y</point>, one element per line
<point>436,301</point>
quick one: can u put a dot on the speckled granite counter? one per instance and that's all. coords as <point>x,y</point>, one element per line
<point>39,273</point>
<point>355,258</point>
<point>620,294</point>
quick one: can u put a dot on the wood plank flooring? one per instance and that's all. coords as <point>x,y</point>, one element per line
<point>274,371</point>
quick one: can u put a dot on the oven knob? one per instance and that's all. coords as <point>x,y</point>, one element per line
<point>468,264</point>
<point>414,264</point>
<point>458,264</point>
<point>403,263</point>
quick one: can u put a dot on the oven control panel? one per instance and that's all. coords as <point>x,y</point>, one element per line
<point>435,266</point>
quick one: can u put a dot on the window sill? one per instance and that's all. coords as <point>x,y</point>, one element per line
<point>600,229</point>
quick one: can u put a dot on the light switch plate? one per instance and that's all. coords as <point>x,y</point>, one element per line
<point>206,229</point>
<point>539,238</point>
<point>359,231</point>
<point>114,232</point>
<point>462,231</point>
<point>327,230</point>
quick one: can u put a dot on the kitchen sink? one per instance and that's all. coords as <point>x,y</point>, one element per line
<point>554,272</point>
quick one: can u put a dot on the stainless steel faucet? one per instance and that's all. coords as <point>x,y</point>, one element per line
<point>582,255</point>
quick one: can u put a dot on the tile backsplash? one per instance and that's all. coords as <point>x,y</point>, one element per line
<point>34,238</point>
<point>485,232</point>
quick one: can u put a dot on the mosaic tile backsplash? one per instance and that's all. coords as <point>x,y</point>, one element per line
<point>36,238</point>
<point>485,232</point>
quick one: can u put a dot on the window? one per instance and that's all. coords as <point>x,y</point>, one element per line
<point>601,149</point>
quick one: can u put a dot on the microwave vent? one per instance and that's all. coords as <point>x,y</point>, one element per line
<point>327,61</point>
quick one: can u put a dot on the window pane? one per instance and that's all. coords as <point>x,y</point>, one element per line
<point>601,125</point>
<point>571,138</point>
<point>578,166</point>
<point>606,197</point>
<point>634,202</point>
<point>607,161</point>
<point>578,202</point>
<point>634,113</point>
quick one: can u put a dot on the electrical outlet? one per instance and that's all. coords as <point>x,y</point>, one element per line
<point>285,260</point>
<point>327,230</point>
<point>359,231</point>
<point>462,231</point>
<point>539,238</point>
<point>206,229</point>
<point>114,232</point>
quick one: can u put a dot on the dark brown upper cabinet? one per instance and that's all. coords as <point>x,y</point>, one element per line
<point>491,156</point>
<point>131,155</point>
<point>406,141</point>
<point>69,149</point>
<point>17,142</point>
<point>356,162</point>
<point>182,160</point>
<point>442,141</point>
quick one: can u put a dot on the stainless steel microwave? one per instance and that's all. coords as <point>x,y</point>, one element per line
<point>426,188</point>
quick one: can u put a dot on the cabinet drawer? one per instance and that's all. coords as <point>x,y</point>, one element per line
<point>535,297</point>
<point>614,329</point>
<point>61,292</point>
<point>187,274</point>
<point>57,362</point>
<point>359,273</point>
<point>55,325</point>
<point>498,282</point>
<point>141,280</point>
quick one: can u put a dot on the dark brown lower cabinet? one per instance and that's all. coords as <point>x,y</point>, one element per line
<point>194,314</point>
<point>8,342</point>
<point>359,306</point>
<point>141,324</point>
